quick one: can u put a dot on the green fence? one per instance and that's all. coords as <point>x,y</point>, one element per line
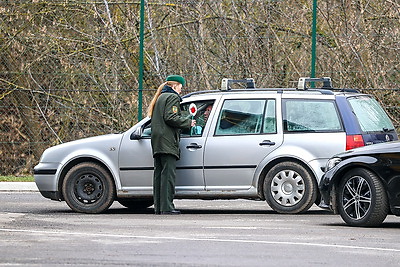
<point>69,69</point>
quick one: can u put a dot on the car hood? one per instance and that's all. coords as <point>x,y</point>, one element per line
<point>388,147</point>
<point>102,142</point>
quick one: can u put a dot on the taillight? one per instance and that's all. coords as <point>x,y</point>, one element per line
<point>353,141</point>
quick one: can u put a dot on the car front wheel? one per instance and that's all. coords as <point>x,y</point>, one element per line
<point>362,199</point>
<point>88,188</point>
<point>289,188</point>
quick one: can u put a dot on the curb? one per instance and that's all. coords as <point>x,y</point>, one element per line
<point>18,186</point>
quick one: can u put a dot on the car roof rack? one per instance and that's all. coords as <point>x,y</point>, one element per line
<point>302,84</point>
<point>226,83</point>
<point>326,88</point>
<point>349,90</point>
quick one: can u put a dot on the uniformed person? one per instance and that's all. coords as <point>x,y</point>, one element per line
<point>166,123</point>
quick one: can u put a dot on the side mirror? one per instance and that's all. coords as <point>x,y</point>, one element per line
<point>137,134</point>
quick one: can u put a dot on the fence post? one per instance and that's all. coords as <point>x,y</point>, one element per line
<point>141,44</point>
<point>313,41</point>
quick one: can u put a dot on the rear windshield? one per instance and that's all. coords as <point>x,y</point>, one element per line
<point>370,114</point>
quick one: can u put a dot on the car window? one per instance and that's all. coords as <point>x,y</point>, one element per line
<point>370,114</point>
<point>244,117</point>
<point>203,110</point>
<point>270,117</point>
<point>147,130</point>
<point>301,115</point>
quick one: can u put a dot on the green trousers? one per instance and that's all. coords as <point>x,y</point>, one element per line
<point>164,182</point>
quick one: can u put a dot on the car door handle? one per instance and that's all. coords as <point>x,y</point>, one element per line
<point>193,146</point>
<point>267,143</point>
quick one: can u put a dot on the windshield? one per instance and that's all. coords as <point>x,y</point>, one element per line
<point>370,114</point>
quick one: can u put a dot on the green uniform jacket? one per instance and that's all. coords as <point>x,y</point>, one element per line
<point>166,123</point>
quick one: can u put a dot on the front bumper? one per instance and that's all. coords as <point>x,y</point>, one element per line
<point>46,180</point>
<point>326,190</point>
<point>53,195</point>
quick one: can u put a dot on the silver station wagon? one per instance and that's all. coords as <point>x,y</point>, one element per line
<point>261,144</point>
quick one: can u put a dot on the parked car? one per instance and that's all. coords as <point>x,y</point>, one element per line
<point>363,185</point>
<point>261,144</point>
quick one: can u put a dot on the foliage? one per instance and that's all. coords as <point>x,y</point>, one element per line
<point>69,68</point>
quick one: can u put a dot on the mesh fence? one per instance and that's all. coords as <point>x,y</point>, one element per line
<point>69,69</point>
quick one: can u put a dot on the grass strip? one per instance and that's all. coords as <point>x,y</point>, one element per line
<point>17,179</point>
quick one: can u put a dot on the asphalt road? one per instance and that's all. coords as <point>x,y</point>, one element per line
<point>35,231</point>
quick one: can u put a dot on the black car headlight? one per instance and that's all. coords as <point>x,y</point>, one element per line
<point>332,163</point>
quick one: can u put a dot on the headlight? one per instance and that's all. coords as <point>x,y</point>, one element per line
<point>332,163</point>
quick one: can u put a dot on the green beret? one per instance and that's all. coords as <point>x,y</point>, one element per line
<point>176,78</point>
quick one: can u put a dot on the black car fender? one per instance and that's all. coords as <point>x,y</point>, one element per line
<point>347,164</point>
<point>333,177</point>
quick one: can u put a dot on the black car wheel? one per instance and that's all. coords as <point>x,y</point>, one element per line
<point>362,199</point>
<point>289,188</point>
<point>88,188</point>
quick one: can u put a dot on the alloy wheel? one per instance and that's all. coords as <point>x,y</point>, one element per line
<point>356,197</point>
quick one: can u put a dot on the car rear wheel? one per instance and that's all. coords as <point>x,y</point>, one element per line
<point>289,188</point>
<point>362,199</point>
<point>88,188</point>
<point>134,204</point>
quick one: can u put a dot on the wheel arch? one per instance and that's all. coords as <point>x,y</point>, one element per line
<point>267,168</point>
<point>77,161</point>
<point>337,178</point>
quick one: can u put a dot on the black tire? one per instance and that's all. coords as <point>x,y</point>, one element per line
<point>290,188</point>
<point>362,199</point>
<point>136,204</point>
<point>88,188</point>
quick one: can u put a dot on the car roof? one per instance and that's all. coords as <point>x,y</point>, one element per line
<point>318,91</point>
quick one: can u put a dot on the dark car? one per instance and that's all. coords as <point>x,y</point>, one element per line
<point>363,184</point>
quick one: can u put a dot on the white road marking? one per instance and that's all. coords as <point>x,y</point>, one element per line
<point>245,228</point>
<point>41,232</point>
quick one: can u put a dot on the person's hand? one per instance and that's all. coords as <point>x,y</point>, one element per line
<point>193,123</point>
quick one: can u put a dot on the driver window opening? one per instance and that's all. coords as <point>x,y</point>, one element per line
<point>203,111</point>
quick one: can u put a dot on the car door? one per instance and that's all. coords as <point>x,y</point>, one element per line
<point>244,132</point>
<point>313,129</point>
<point>189,169</point>
<point>136,160</point>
